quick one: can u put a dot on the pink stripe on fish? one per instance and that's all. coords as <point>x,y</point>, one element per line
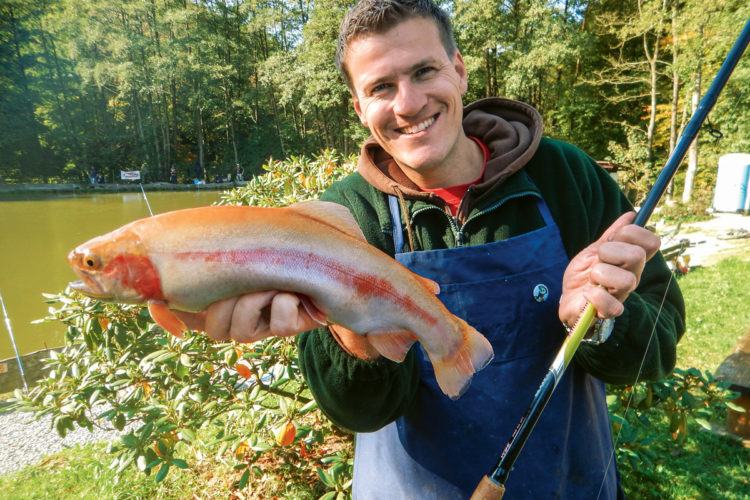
<point>364,284</point>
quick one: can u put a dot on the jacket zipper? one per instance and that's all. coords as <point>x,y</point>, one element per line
<point>500,202</point>
<point>457,228</point>
<point>452,221</point>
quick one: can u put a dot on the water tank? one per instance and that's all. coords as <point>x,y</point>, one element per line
<point>732,179</point>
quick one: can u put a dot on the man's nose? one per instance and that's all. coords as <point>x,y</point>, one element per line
<point>410,99</point>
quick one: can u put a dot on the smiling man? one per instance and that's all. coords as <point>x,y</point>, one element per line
<point>407,90</point>
<point>519,231</point>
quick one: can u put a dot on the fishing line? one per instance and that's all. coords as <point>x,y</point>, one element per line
<point>635,382</point>
<point>145,198</point>
<point>13,341</point>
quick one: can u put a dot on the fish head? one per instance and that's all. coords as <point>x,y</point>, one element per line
<point>115,267</point>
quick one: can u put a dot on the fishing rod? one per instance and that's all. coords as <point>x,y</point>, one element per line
<point>492,486</point>
<point>146,199</point>
<point>13,341</point>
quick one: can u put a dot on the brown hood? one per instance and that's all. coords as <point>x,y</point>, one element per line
<point>510,129</point>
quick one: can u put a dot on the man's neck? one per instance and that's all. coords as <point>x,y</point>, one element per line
<point>461,168</point>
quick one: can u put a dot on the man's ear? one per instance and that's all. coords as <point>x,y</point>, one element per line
<point>460,67</point>
<point>358,109</point>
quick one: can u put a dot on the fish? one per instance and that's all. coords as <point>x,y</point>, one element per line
<point>187,259</point>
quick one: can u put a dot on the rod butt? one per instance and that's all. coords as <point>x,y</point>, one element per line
<point>487,489</point>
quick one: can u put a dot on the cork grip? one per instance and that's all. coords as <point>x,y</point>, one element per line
<point>487,489</point>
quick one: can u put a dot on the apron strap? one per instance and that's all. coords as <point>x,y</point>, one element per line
<point>541,205</point>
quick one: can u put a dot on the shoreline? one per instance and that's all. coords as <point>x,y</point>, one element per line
<point>16,190</point>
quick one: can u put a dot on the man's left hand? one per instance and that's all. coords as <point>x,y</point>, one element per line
<point>607,271</point>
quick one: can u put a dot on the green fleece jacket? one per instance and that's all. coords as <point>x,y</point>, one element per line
<point>583,199</point>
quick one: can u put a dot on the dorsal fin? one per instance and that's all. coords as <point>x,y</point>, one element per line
<point>332,214</point>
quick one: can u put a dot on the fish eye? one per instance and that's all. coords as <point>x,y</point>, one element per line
<point>91,261</point>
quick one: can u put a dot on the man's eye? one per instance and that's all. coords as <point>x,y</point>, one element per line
<point>379,88</point>
<point>424,71</point>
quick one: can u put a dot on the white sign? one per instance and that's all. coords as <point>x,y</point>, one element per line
<point>135,175</point>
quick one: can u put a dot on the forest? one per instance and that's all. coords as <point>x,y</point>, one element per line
<point>110,85</point>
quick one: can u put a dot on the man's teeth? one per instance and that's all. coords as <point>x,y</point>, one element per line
<point>419,127</point>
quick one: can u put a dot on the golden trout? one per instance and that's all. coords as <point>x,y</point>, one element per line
<point>188,259</point>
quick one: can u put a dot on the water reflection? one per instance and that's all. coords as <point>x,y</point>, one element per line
<point>37,233</point>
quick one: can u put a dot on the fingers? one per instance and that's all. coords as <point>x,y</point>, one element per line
<point>254,316</point>
<point>288,316</point>
<point>606,272</point>
<point>636,236</point>
<point>193,320</point>
<point>606,304</point>
<point>616,226</point>
<point>251,317</point>
<point>218,318</point>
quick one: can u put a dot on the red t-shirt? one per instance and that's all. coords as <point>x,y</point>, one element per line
<point>453,194</point>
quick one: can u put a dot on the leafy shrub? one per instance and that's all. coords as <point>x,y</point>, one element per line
<point>182,401</point>
<point>650,413</point>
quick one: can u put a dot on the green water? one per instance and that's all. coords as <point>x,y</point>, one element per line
<point>37,234</point>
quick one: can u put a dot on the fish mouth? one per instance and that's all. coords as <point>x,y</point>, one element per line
<point>88,286</point>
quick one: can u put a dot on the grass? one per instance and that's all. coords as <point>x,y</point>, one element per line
<point>717,300</point>
<point>703,466</point>
<point>83,472</point>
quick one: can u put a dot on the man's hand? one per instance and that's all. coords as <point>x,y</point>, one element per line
<point>607,271</point>
<point>255,316</point>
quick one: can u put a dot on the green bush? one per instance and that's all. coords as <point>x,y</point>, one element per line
<point>179,401</point>
<point>650,413</point>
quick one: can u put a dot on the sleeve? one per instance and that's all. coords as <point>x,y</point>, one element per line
<point>356,394</point>
<point>359,395</point>
<point>643,343</point>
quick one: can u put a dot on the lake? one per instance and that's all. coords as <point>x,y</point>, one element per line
<point>36,236</point>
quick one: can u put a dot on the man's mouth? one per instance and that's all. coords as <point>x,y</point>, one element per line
<point>413,129</point>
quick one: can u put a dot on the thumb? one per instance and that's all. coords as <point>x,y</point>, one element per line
<point>622,221</point>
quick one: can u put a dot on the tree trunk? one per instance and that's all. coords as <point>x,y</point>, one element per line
<point>139,127</point>
<point>201,152</point>
<point>34,157</point>
<point>693,151</point>
<point>675,104</point>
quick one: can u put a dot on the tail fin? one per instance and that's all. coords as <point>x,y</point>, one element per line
<point>454,372</point>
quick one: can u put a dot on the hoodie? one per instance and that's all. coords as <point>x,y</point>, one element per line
<point>364,395</point>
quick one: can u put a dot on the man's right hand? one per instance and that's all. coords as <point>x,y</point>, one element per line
<point>255,316</point>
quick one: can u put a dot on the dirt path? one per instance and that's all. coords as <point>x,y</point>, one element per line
<point>724,235</point>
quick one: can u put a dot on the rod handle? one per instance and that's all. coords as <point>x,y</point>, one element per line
<point>487,489</point>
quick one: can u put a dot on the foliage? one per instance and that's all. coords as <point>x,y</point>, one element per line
<point>665,432</point>
<point>663,446</point>
<point>181,402</point>
<point>296,179</point>
<point>109,85</point>
<point>634,176</point>
<point>686,397</point>
<point>696,210</point>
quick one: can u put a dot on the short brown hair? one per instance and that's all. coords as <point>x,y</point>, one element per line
<point>378,16</point>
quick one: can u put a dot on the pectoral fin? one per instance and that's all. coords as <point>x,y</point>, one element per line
<point>392,345</point>
<point>166,319</point>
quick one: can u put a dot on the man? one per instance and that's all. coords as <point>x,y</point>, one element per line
<point>475,199</point>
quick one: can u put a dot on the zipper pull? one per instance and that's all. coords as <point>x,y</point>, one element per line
<point>459,233</point>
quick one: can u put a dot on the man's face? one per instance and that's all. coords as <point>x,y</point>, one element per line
<point>407,91</point>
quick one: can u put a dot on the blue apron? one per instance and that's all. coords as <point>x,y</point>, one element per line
<point>509,290</point>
